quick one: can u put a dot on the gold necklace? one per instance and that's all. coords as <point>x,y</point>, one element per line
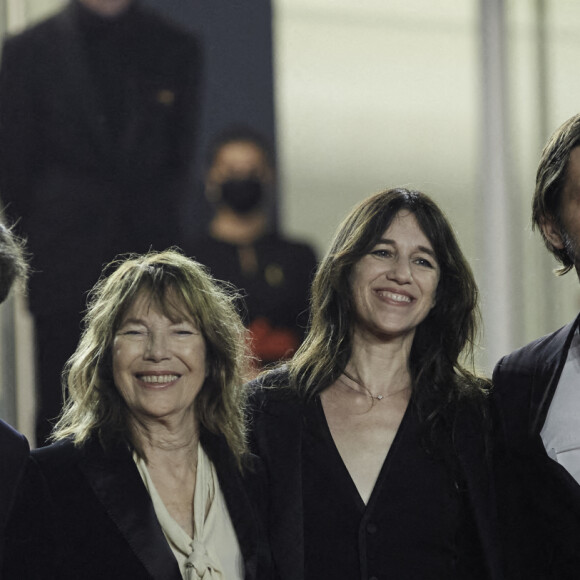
<point>366,391</point>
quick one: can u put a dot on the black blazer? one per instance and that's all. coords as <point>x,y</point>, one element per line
<point>102,524</point>
<point>13,459</point>
<point>540,500</point>
<point>277,419</point>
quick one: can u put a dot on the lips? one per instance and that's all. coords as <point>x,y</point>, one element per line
<point>157,379</point>
<point>394,296</point>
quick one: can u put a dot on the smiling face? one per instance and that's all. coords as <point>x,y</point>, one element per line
<point>394,285</point>
<point>158,363</point>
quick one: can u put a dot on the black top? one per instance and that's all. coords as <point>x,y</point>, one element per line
<point>276,295</point>
<point>416,525</point>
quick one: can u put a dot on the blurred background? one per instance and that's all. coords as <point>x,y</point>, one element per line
<point>455,98</point>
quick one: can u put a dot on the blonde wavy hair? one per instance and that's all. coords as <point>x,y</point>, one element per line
<point>179,286</point>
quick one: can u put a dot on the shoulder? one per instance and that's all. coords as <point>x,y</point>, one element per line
<point>35,51</point>
<point>56,456</point>
<point>473,406</point>
<point>12,440</point>
<point>270,390</point>
<point>14,452</point>
<point>13,465</point>
<point>58,460</point>
<point>37,35</point>
<point>525,360</point>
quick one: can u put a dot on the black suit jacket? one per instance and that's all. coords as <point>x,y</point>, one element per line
<point>277,420</point>
<point>99,521</point>
<point>13,459</point>
<point>540,500</point>
<point>83,190</point>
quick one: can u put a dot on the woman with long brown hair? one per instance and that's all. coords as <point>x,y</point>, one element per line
<point>374,434</point>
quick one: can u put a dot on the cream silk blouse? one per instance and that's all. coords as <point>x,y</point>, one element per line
<point>213,553</point>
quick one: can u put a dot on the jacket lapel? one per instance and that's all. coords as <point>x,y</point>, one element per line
<point>116,482</point>
<point>547,374</point>
<point>240,509</point>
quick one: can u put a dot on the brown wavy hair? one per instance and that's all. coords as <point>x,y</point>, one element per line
<point>444,339</point>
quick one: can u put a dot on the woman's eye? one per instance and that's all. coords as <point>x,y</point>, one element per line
<point>184,332</point>
<point>382,253</point>
<point>132,332</point>
<point>424,262</point>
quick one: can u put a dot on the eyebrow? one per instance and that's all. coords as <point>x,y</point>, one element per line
<point>423,249</point>
<point>143,323</point>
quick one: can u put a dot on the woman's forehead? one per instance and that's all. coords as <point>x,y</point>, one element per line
<point>167,303</point>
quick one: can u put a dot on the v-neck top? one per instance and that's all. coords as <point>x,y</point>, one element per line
<point>417,524</point>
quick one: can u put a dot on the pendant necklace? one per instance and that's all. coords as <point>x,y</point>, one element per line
<point>367,392</point>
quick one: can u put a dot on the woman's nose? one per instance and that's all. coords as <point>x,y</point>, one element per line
<point>156,348</point>
<point>400,271</point>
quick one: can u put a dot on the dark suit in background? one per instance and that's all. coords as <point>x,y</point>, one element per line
<point>97,125</point>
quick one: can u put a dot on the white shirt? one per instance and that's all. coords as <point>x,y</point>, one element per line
<point>213,553</point>
<point>561,431</point>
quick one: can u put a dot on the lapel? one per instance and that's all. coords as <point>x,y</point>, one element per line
<point>277,424</point>
<point>117,484</point>
<point>237,500</point>
<point>547,373</point>
<point>76,78</point>
<point>472,454</point>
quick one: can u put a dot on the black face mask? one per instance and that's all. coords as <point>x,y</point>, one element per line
<point>242,195</point>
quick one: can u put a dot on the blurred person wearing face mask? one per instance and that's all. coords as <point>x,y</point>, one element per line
<point>242,247</point>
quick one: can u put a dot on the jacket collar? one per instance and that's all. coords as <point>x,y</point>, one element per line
<point>547,374</point>
<point>235,492</point>
<point>116,482</point>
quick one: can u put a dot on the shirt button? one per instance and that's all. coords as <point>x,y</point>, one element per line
<point>371,529</point>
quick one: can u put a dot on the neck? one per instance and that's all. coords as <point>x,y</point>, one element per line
<point>105,13</point>
<point>228,226</point>
<point>380,370</point>
<point>164,439</point>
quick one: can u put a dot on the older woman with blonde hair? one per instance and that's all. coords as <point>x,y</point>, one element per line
<point>149,474</point>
